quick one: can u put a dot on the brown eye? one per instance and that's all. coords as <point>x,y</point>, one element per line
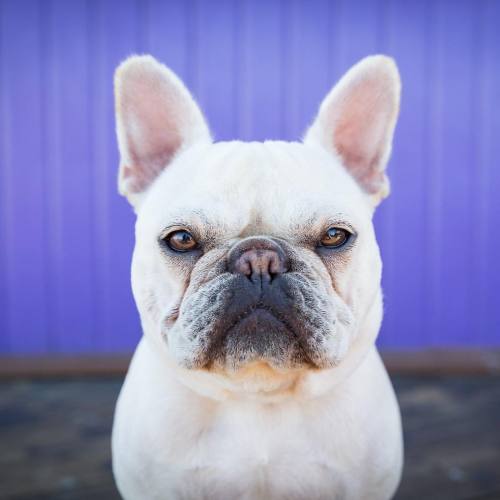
<point>181,241</point>
<point>335,237</point>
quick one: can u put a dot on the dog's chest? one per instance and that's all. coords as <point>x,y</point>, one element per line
<point>170,444</point>
<point>268,453</point>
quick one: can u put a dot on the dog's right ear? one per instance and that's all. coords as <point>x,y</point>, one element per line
<point>156,118</point>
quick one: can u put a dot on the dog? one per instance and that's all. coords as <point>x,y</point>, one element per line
<point>256,273</point>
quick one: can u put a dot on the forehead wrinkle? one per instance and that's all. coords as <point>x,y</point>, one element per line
<point>186,216</point>
<point>304,226</point>
<point>325,217</point>
<point>194,219</point>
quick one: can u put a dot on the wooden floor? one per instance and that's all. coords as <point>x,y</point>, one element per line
<point>54,438</point>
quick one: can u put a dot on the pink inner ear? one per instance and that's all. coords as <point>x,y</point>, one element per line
<point>138,178</point>
<point>153,120</point>
<point>362,129</point>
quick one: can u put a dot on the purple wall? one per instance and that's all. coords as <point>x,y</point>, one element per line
<point>259,69</point>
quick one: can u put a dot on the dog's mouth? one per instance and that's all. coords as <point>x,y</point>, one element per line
<point>259,334</point>
<point>228,323</point>
<point>260,312</point>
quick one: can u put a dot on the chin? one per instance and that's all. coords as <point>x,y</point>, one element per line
<point>260,338</point>
<point>259,378</point>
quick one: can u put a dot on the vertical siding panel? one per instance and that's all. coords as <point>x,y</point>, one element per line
<point>142,26</point>
<point>216,50</point>
<point>434,172</point>
<point>457,157</point>
<point>357,26</point>
<point>75,265</point>
<point>120,42</point>
<point>23,176</point>
<point>243,90</point>
<point>97,294</point>
<point>405,30</point>
<point>490,179</point>
<point>479,166</point>
<point>236,77</point>
<point>384,218</point>
<point>291,127</point>
<point>6,140</point>
<point>263,69</point>
<point>337,40</point>
<point>312,74</point>
<point>48,168</point>
<point>168,34</point>
<point>53,177</point>
<point>192,44</point>
<point>98,145</point>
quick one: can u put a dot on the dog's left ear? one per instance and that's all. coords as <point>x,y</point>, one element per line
<point>356,121</point>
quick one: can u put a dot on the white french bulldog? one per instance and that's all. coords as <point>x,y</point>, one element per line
<point>257,277</point>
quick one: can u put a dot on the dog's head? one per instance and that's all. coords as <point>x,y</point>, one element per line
<point>255,252</point>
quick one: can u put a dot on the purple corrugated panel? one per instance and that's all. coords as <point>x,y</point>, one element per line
<point>76,326</point>
<point>259,70</point>
<point>263,70</point>
<point>458,154</point>
<point>23,180</point>
<point>486,189</point>
<point>121,35</point>
<point>404,27</point>
<point>53,187</point>
<point>216,49</point>
<point>308,77</point>
<point>169,34</point>
<point>5,173</point>
<point>456,164</point>
<point>100,146</point>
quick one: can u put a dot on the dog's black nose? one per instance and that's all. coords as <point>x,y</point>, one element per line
<point>260,259</point>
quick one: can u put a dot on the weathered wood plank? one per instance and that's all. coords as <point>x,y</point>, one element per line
<point>54,438</point>
<point>427,362</point>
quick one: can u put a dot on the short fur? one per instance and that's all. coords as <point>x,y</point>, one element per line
<point>221,403</point>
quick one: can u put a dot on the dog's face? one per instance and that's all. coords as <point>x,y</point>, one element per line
<point>255,252</point>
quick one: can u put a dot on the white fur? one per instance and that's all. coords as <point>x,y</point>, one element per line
<point>156,118</point>
<point>258,432</point>
<point>357,120</point>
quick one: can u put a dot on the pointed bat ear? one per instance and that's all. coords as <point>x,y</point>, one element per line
<point>356,122</point>
<point>156,118</point>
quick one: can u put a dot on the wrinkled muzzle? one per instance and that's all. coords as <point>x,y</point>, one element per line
<point>266,305</point>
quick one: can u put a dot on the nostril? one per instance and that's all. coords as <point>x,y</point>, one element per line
<point>243,265</point>
<point>276,265</point>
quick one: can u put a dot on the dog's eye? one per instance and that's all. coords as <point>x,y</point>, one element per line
<point>335,237</point>
<point>181,241</point>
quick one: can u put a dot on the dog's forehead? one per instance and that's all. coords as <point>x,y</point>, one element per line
<point>265,184</point>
